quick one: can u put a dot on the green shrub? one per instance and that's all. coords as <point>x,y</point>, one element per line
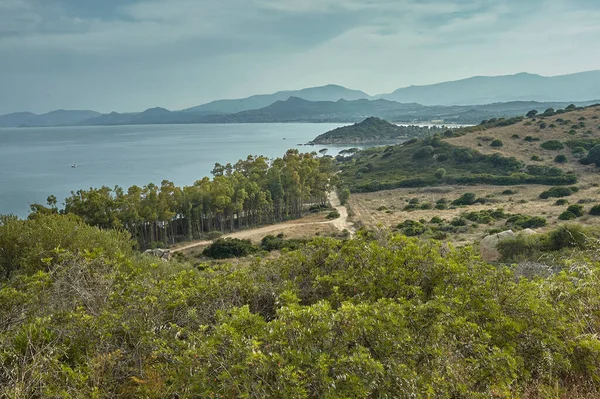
<point>497,143</point>
<point>526,222</point>
<point>440,173</point>
<point>560,158</point>
<point>558,192</point>
<point>411,228</point>
<point>553,145</point>
<point>593,157</point>
<point>229,248</point>
<point>509,192</point>
<point>333,215</point>
<point>515,136</point>
<point>595,210</point>
<point>536,158</point>
<point>465,199</point>
<point>566,215</point>
<point>576,210</point>
<point>561,202</point>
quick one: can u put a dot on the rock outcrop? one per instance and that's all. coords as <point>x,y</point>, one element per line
<point>489,245</point>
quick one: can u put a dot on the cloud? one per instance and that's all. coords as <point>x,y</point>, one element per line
<point>132,54</point>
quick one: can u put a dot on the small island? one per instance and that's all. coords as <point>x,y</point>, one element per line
<point>373,130</point>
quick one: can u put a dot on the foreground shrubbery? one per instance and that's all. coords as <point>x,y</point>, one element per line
<point>373,317</point>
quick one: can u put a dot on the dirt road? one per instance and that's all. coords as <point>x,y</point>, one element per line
<point>340,223</point>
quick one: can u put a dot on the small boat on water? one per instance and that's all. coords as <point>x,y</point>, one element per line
<point>74,165</point>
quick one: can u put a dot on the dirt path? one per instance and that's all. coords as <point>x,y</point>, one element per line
<point>340,223</point>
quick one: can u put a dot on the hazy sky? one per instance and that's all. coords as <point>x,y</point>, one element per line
<point>128,55</point>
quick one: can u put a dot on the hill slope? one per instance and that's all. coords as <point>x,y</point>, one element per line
<point>372,130</point>
<point>321,93</point>
<point>523,86</point>
<point>55,118</point>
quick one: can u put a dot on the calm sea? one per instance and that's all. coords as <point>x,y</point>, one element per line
<point>36,162</point>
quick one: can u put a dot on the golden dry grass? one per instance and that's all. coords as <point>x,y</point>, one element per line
<point>523,150</point>
<point>526,201</point>
<point>366,207</point>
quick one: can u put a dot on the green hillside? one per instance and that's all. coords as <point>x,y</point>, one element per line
<point>373,130</point>
<point>432,161</point>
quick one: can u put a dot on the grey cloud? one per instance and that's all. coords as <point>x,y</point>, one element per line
<point>133,54</point>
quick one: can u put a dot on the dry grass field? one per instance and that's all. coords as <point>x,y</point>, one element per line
<point>384,209</point>
<point>523,150</point>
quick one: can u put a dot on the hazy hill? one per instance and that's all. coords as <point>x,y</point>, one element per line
<point>151,116</point>
<point>321,93</point>
<point>484,90</point>
<point>372,130</point>
<point>16,119</point>
<point>296,109</point>
<point>55,118</point>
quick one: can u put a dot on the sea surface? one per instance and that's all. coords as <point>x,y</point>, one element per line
<point>36,162</point>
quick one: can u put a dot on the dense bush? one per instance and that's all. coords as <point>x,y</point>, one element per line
<point>497,143</point>
<point>224,248</point>
<point>566,215</point>
<point>558,192</point>
<point>593,157</point>
<point>385,317</point>
<point>560,202</point>
<point>553,145</point>
<point>595,210</point>
<point>465,199</point>
<point>333,215</point>
<point>576,210</point>
<point>526,222</point>
<point>560,158</point>
<point>522,247</point>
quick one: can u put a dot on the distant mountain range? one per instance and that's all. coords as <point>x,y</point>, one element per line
<point>581,86</point>
<point>322,93</point>
<point>55,118</point>
<point>462,101</point>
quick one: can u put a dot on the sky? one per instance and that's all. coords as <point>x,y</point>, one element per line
<point>129,55</point>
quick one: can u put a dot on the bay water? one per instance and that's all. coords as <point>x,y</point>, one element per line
<point>37,162</point>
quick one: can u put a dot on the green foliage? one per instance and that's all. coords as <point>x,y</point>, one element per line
<point>410,165</point>
<point>251,192</point>
<point>526,222</point>
<point>560,202</point>
<point>566,215</point>
<point>558,192</point>
<point>595,210</point>
<point>593,157</point>
<point>553,145</point>
<point>30,246</point>
<point>576,210</point>
<point>224,248</point>
<point>440,173</point>
<point>497,143</point>
<point>465,199</point>
<point>333,215</point>
<point>277,243</point>
<point>381,317</point>
<point>560,158</point>
<point>531,139</point>
<point>524,246</point>
<point>536,158</point>
<point>344,196</point>
<point>374,129</point>
<point>411,228</point>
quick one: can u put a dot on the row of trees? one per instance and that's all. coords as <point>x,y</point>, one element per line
<point>251,192</point>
